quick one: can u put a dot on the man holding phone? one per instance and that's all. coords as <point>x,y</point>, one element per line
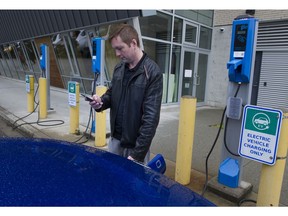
<point>134,97</point>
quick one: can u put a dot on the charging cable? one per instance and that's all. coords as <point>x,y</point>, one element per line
<point>38,122</point>
<point>91,116</point>
<point>215,141</point>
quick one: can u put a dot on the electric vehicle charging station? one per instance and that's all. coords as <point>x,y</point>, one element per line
<point>45,66</point>
<point>240,72</point>
<point>98,55</point>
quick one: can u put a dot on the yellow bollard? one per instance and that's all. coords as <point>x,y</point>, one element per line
<point>185,139</point>
<point>42,98</point>
<point>272,176</point>
<point>100,125</point>
<point>30,93</point>
<point>74,112</point>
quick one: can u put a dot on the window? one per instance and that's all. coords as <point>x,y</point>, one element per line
<point>156,26</point>
<point>190,34</point>
<point>202,16</point>
<point>177,33</point>
<point>205,38</point>
<point>173,80</point>
<point>159,52</point>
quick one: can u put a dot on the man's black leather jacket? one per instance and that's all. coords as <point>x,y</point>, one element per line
<point>141,107</point>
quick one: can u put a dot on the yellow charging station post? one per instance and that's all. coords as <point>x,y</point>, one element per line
<point>74,90</point>
<point>185,139</point>
<point>272,176</point>
<point>30,92</point>
<point>100,125</point>
<point>42,98</point>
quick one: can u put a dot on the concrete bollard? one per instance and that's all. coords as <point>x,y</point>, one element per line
<point>42,98</point>
<point>100,130</point>
<point>272,176</point>
<point>185,139</point>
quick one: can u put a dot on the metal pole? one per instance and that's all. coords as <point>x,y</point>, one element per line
<point>48,77</point>
<point>185,139</point>
<point>272,176</point>
<point>102,74</point>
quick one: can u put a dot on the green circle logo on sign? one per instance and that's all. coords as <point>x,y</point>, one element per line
<point>72,88</point>
<point>261,121</point>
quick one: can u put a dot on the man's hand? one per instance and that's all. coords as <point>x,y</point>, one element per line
<point>96,103</point>
<point>130,158</point>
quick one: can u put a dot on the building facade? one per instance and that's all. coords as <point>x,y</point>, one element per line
<point>178,40</point>
<point>192,48</point>
<point>271,66</point>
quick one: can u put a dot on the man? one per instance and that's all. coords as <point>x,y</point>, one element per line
<point>134,97</point>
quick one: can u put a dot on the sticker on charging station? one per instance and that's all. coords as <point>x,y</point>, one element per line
<point>72,93</point>
<point>239,54</point>
<point>260,133</point>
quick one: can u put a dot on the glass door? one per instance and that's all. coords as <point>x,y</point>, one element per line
<point>201,77</point>
<point>189,77</point>
<point>194,72</point>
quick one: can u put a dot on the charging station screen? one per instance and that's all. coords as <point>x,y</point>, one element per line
<point>94,47</point>
<point>96,67</point>
<point>240,39</point>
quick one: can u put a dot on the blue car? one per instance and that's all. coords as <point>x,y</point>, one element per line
<point>44,172</point>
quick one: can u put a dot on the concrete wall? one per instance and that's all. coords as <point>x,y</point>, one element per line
<point>226,17</point>
<point>217,77</point>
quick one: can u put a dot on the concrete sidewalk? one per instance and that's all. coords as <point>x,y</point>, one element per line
<point>13,108</point>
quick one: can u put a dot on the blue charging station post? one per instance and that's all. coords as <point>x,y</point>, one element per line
<point>96,68</point>
<point>240,73</point>
<point>45,67</point>
<point>99,122</point>
<point>98,55</point>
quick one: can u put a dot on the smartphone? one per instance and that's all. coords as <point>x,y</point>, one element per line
<point>87,97</point>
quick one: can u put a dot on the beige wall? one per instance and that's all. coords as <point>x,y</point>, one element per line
<point>226,17</point>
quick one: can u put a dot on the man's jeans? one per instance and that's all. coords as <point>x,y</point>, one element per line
<point>115,148</point>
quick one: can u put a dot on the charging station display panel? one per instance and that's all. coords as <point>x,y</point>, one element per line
<point>95,68</point>
<point>97,55</point>
<point>242,51</point>
<point>94,48</point>
<point>240,40</point>
<point>43,50</point>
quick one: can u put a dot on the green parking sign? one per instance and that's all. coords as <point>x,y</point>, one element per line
<point>27,79</point>
<point>260,133</point>
<point>72,93</point>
